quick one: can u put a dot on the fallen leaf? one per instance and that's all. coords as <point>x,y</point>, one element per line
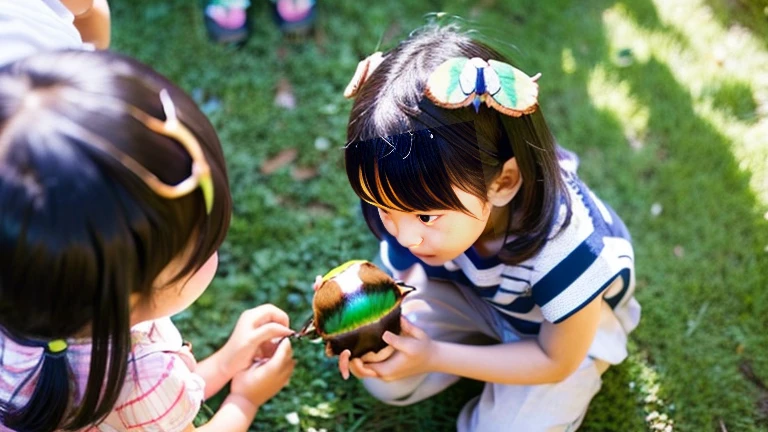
<point>304,173</point>
<point>278,161</point>
<point>319,209</point>
<point>284,97</point>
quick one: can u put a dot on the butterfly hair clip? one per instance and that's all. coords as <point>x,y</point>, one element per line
<point>461,81</point>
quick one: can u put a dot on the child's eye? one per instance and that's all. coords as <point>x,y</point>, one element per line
<point>427,219</point>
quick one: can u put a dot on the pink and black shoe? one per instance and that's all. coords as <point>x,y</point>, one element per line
<point>294,17</point>
<point>227,21</point>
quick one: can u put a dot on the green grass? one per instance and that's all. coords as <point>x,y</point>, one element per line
<point>665,101</point>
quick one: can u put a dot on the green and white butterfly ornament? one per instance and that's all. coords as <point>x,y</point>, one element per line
<point>461,81</point>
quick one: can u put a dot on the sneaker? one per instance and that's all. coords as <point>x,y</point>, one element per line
<point>294,17</point>
<point>227,20</point>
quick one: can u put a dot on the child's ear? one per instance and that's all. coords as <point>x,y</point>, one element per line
<point>505,186</point>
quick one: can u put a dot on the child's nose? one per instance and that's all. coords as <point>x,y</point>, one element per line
<point>409,235</point>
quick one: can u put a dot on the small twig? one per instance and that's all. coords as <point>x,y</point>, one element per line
<point>722,426</point>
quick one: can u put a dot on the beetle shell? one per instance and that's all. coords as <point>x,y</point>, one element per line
<point>347,314</point>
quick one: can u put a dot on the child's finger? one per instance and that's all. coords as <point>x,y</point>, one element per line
<point>317,283</point>
<point>266,313</point>
<point>344,363</point>
<point>381,355</point>
<point>361,370</point>
<point>283,353</point>
<point>399,343</point>
<point>269,331</point>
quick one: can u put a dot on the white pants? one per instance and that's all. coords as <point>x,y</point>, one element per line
<point>454,314</point>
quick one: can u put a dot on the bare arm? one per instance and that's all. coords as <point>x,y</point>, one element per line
<point>92,20</point>
<point>554,355</point>
<point>214,373</point>
<point>251,389</point>
<point>236,414</point>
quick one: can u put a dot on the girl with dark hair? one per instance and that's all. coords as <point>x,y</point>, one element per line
<point>524,278</point>
<point>113,202</point>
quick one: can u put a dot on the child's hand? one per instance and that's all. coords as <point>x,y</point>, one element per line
<point>407,354</point>
<point>358,366</point>
<point>412,356</point>
<point>253,337</point>
<point>263,380</point>
<point>317,283</point>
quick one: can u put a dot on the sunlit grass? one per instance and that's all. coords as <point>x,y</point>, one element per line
<point>614,97</point>
<point>723,69</point>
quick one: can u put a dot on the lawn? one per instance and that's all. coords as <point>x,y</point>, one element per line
<point>665,101</point>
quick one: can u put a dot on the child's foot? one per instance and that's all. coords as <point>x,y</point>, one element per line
<point>227,20</point>
<point>295,17</point>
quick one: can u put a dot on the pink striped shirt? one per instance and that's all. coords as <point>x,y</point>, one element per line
<point>161,393</point>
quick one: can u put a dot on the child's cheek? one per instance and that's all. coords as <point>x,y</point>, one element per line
<point>390,226</point>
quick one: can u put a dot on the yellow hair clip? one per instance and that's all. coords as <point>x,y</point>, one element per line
<point>57,346</point>
<point>174,129</point>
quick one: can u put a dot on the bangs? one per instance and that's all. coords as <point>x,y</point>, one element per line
<point>416,171</point>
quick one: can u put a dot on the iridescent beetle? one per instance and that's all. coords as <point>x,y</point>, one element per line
<point>353,307</point>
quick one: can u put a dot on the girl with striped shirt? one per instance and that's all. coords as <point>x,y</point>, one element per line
<point>524,278</point>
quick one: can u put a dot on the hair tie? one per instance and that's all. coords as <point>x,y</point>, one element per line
<point>460,82</point>
<point>56,346</point>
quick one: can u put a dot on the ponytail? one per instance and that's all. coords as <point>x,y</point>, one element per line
<point>47,406</point>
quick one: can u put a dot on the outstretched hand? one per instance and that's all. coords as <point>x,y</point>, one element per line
<point>408,354</point>
<point>255,337</point>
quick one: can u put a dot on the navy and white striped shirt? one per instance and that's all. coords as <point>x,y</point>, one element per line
<point>574,266</point>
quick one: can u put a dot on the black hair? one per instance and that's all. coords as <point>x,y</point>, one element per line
<point>80,232</point>
<point>406,153</point>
